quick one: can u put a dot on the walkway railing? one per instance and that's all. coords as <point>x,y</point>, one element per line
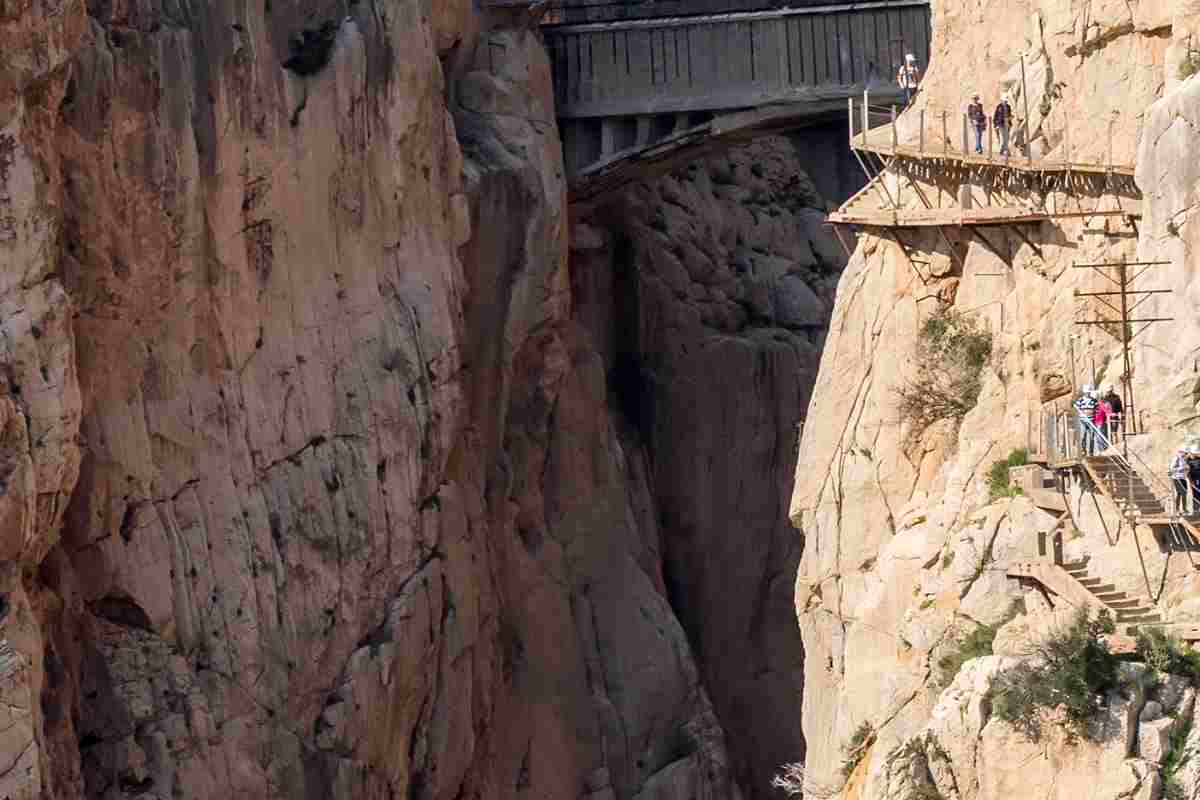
<point>931,131</point>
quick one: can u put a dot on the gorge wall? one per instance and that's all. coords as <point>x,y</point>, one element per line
<point>326,470</point>
<point>905,551</point>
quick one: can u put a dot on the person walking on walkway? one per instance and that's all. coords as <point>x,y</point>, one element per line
<point>1178,472</point>
<point>1100,420</point>
<point>908,77</point>
<point>1116,415</point>
<point>978,121</point>
<point>1194,479</point>
<point>1085,406</point>
<point>1002,122</point>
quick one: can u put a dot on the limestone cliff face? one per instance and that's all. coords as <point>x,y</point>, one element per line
<point>904,551</point>
<point>708,293</point>
<point>325,472</point>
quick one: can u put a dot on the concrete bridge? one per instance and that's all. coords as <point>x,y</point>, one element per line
<point>637,91</point>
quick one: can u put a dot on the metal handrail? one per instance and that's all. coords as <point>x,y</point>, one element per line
<point>946,134</point>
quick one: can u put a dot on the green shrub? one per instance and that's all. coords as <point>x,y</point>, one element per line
<point>1069,671</point>
<point>860,742</point>
<point>1189,66</point>
<point>1176,757</point>
<point>952,350</point>
<point>975,644</point>
<point>1164,653</point>
<point>997,477</point>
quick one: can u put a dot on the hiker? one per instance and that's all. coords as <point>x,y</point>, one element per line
<point>1194,479</point>
<point>1116,416</point>
<point>907,78</point>
<point>1002,122</point>
<point>1100,413</point>
<point>1178,472</point>
<point>1085,406</point>
<point>978,121</point>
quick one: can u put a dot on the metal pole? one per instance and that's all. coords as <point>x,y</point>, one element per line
<point>1025,98</point>
<point>1126,379</point>
<point>866,120</point>
<point>945,135</point>
<point>850,100</point>
<point>1074,379</point>
<point>921,146</point>
<point>1067,134</point>
<point>989,142</point>
<point>965,149</point>
<point>1110,149</point>
<point>893,130</point>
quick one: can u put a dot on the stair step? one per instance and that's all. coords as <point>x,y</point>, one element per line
<point>1107,587</point>
<point>1075,565</point>
<point>1131,604</point>
<point>1126,617</point>
<point>1090,582</point>
<point>1109,597</point>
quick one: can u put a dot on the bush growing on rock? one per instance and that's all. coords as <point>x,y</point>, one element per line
<point>1164,653</point>
<point>975,644</point>
<point>997,479</point>
<point>860,742</point>
<point>952,350</point>
<point>1069,671</point>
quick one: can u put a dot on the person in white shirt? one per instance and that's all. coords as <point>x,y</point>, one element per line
<point>908,77</point>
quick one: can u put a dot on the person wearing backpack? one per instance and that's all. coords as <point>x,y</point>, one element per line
<point>908,77</point>
<point>1116,416</point>
<point>1085,406</point>
<point>1002,122</point>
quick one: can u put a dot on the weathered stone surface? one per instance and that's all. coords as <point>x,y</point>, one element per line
<point>1154,739</point>
<point>709,299</point>
<point>870,492</point>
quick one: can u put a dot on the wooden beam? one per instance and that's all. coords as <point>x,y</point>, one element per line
<point>978,234</point>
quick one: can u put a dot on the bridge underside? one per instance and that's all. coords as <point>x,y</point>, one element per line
<point>642,147</point>
<point>644,88</point>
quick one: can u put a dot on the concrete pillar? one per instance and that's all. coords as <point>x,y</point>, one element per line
<point>608,136</point>
<point>643,129</point>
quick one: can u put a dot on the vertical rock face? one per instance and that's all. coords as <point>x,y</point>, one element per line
<point>323,475</point>
<point>709,293</point>
<point>905,552</point>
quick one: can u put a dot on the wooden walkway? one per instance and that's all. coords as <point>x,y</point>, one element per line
<point>879,140</point>
<point>874,206</point>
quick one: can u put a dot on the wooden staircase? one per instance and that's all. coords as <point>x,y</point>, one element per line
<point>1074,585</point>
<point>1126,610</point>
<point>1124,487</point>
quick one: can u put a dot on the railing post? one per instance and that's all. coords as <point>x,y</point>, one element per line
<point>921,146</point>
<point>965,148</point>
<point>893,130</point>
<point>850,116</point>
<point>866,126</point>
<point>1067,134</point>
<point>945,134</point>
<point>1058,548</point>
<point>990,142</point>
<point>1110,149</point>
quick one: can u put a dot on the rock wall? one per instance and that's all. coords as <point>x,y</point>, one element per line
<point>324,470</point>
<point>708,293</point>
<point>905,551</point>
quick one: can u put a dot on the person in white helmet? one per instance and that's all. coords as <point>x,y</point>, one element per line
<point>908,77</point>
